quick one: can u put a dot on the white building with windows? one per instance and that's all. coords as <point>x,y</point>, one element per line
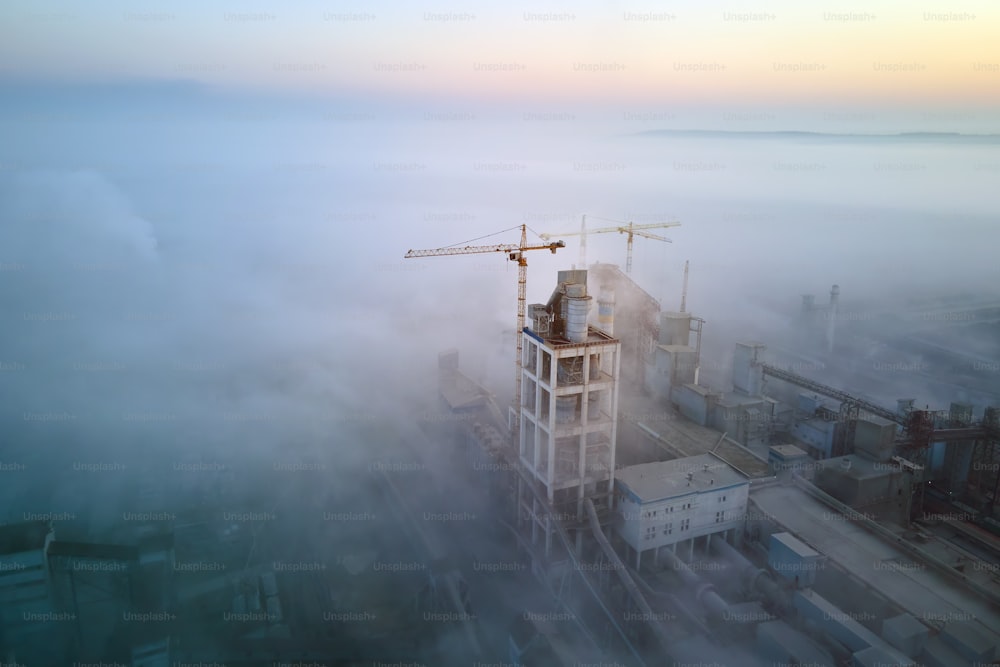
<point>671,503</point>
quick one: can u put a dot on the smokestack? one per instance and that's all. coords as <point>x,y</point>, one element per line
<point>832,317</point>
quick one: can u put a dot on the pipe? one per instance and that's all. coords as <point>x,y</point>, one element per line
<point>756,578</point>
<point>433,550</point>
<point>627,581</point>
<point>704,592</point>
<point>574,617</point>
<point>564,538</point>
<point>672,599</point>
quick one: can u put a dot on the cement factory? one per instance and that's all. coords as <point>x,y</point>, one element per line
<point>775,521</point>
<point>621,511</point>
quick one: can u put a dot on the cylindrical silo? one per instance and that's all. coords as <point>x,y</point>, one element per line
<point>576,320</point>
<point>577,308</point>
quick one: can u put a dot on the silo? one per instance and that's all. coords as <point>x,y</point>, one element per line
<point>566,409</point>
<point>578,306</point>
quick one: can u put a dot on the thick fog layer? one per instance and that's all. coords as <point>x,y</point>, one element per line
<point>184,254</point>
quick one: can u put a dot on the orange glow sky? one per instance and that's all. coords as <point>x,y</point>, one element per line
<point>877,53</point>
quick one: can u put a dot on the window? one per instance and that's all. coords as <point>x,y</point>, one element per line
<point>668,528</point>
<point>718,517</point>
<point>685,523</point>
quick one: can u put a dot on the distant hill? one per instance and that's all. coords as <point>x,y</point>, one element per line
<point>900,137</point>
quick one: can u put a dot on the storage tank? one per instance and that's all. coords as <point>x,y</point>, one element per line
<point>577,309</point>
<point>565,409</point>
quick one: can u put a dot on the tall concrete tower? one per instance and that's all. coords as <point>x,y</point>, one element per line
<point>569,410</point>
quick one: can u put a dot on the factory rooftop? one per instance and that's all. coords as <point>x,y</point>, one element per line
<point>788,451</point>
<point>461,392</point>
<point>667,479</point>
<point>854,466</point>
<point>915,587</point>
<point>19,537</point>
<point>594,336</point>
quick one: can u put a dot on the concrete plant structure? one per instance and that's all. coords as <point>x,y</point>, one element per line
<point>569,406</point>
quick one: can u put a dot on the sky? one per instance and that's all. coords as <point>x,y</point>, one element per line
<point>684,55</point>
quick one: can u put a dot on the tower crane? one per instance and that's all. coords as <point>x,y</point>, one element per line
<point>515,253</point>
<point>628,228</point>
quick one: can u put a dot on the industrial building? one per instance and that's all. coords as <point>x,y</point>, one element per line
<point>741,544</point>
<point>667,503</point>
<point>25,598</point>
<point>569,407</point>
<point>623,510</point>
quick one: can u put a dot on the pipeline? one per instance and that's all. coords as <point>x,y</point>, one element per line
<point>704,592</point>
<point>754,577</point>
<point>672,599</point>
<point>432,548</point>
<point>529,483</point>
<point>627,581</point>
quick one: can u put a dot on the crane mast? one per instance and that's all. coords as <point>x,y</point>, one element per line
<point>515,253</point>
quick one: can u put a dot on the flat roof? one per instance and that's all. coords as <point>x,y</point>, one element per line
<point>667,479</point>
<point>788,450</point>
<point>877,562</point>
<point>861,467</point>
<point>875,419</point>
<point>797,546</point>
<point>698,389</point>
<point>676,349</point>
<point>459,391</point>
<point>732,399</point>
<point>594,335</point>
<point>26,536</point>
<point>93,550</point>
